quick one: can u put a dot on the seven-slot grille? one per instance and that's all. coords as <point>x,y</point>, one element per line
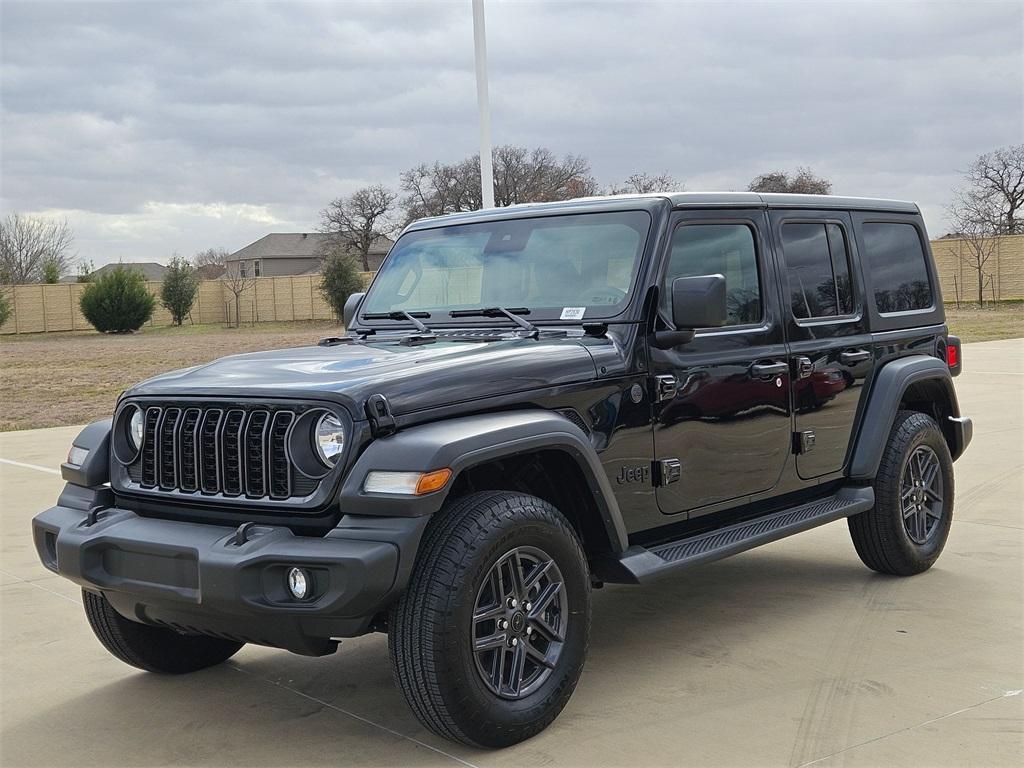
<point>214,450</point>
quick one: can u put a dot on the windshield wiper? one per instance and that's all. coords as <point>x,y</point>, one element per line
<point>425,335</point>
<point>400,314</point>
<point>532,331</point>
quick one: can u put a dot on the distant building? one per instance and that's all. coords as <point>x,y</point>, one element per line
<point>210,271</point>
<point>297,253</point>
<point>150,270</point>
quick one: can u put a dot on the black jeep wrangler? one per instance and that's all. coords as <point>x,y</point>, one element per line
<point>529,402</point>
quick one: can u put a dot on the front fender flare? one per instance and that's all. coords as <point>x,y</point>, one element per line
<point>464,442</point>
<point>95,470</point>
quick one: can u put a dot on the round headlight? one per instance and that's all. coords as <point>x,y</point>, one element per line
<point>135,428</point>
<point>329,438</point>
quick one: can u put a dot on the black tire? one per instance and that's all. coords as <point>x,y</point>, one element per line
<point>153,649</point>
<point>882,539</point>
<point>432,627</point>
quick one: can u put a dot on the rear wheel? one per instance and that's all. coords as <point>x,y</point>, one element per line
<point>906,530</point>
<point>489,640</point>
<point>153,649</point>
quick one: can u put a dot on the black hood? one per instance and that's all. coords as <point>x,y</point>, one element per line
<point>411,377</point>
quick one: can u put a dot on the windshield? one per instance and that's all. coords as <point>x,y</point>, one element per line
<point>558,267</point>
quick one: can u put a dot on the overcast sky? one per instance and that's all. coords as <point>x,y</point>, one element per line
<point>161,127</point>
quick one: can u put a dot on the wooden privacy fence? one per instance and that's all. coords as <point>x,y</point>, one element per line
<point>40,308</point>
<point>1004,270</point>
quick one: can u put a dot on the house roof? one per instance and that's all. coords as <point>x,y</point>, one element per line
<point>295,245</point>
<point>150,269</point>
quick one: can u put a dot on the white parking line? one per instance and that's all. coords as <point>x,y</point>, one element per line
<point>36,467</point>
<point>39,586</point>
<point>353,715</point>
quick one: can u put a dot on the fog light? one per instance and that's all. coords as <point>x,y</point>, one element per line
<point>299,583</point>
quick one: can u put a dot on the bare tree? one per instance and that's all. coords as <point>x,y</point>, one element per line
<point>802,182</point>
<point>521,175</point>
<point>210,264</point>
<point>238,283</point>
<point>439,189</point>
<point>29,244</point>
<point>644,183</point>
<point>998,177</point>
<point>357,222</point>
<point>977,219</point>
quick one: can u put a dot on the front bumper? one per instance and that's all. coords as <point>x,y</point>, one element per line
<point>198,578</point>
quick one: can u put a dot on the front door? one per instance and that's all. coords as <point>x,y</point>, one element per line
<point>723,409</point>
<point>829,342</point>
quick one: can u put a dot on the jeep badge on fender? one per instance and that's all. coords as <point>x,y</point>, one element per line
<point>637,474</point>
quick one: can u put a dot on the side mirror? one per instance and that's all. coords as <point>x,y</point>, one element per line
<point>697,302</point>
<point>351,307</point>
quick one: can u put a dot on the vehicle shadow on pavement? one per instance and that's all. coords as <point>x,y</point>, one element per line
<point>268,707</point>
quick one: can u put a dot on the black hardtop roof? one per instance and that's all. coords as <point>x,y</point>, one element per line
<point>677,200</point>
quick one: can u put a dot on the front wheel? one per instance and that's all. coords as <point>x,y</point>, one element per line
<point>489,640</point>
<point>906,530</point>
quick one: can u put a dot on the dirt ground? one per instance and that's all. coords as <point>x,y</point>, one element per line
<point>56,379</point>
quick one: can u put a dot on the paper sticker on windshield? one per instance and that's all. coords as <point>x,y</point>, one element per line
<point>572,313</point>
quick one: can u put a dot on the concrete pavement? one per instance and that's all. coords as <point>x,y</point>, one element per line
<point>793,654</point>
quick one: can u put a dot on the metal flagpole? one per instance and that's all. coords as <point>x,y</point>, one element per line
<point>483,102</point>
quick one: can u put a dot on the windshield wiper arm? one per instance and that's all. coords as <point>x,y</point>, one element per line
<point>424,335</point>
<point>511,314</point>
<point>412,317</point>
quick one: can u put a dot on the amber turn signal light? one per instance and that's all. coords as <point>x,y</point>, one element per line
<point>433,481</point>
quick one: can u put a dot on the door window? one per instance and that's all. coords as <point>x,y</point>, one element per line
<point>817,270</point>
<point>725,249</point>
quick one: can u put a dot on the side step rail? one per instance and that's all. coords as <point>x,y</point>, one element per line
<point>638,564</point>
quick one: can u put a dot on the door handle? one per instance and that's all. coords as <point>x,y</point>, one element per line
<point>856,356</point>
<point>769,369</point>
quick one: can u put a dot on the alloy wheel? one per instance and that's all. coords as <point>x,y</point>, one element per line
<point>519,622</point>
<point>921,502</point>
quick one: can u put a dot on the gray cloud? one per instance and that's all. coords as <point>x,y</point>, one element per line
<point>174,126</point>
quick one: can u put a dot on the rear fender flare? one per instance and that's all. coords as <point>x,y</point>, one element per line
<point>890,385</point>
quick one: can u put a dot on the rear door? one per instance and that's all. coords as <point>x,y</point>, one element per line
<point>831,353</point>
<point>722,399</point>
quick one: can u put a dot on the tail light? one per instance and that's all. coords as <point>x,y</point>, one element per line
<point>953,356</point>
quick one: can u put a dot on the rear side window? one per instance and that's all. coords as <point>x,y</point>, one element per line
<point>817,270</point>
<point>899,272</point>
<point>725,249</point>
